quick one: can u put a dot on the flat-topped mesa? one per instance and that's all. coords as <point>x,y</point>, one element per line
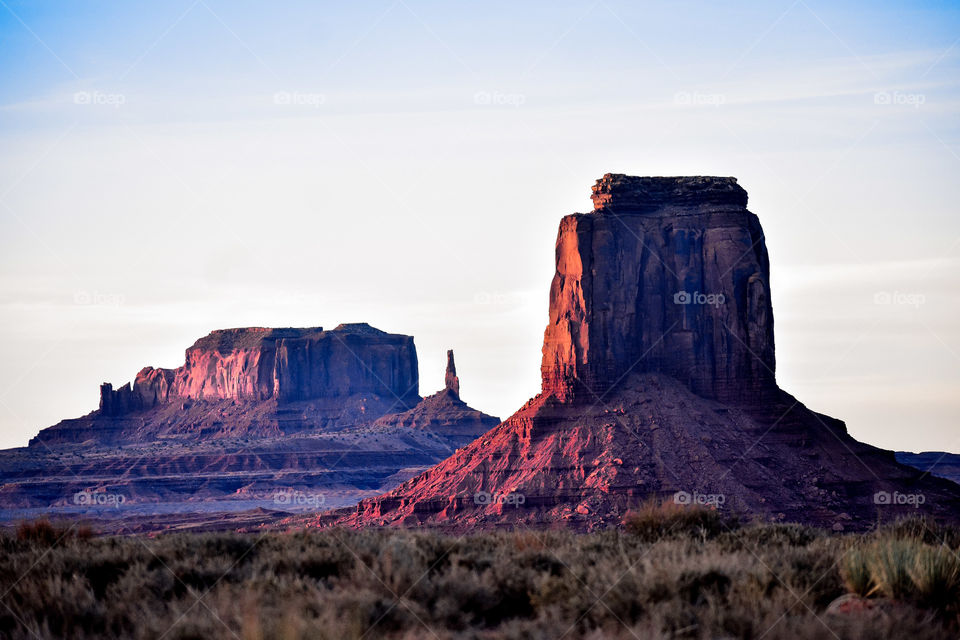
<point>681,289</point>
<point>288,364</point>
<point>622,194</point>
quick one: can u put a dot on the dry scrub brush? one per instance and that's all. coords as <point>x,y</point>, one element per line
<point>680,574</point>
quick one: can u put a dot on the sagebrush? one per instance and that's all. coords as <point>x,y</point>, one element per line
<point>699,577</point>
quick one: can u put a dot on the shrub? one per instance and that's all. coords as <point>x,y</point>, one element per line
<point>690,582</point>
<point>655,521</point>
<point>936,576</point>
<point>44,533</point>
<point>922,529</point>
<point>855,570</point>
<point>891,563</point>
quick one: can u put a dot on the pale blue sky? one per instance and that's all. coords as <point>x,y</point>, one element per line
<point>170,168</point>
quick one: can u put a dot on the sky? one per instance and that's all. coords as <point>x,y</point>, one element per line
<point>170,168</point>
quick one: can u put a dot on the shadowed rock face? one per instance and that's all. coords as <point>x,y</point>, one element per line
<point>651,391</point>
<point>666,275</point>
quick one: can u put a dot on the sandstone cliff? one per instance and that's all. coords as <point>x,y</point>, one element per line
<point>658,383</point>
<point>257,382</point>
<point>668,275</point>
<point>285,364</point>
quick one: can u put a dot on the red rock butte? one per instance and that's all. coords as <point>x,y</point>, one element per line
<point>658,382</point>
<point>668,275</point>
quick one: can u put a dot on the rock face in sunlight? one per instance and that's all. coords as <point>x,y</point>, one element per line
<point>658,383</point>
<point>283,364</point>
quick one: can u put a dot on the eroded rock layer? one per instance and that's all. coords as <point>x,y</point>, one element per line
<point>585,465</point>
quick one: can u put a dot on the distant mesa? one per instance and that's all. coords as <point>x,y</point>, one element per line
<point>251,412</point>
<point>287,365</point>
<point>938,463</point>
<point>350,374</point>
<point>264,382</point>
<point>658,383</point>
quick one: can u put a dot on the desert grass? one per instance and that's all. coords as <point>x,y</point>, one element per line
<point>677,575</point>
